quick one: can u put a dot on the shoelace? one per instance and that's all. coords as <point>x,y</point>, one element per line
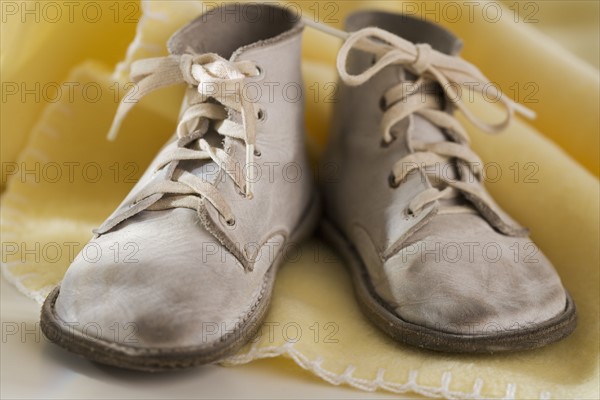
<point>213,77</point>
<point>402,100</point>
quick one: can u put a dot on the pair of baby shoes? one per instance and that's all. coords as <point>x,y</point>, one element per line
<point>430,253</point>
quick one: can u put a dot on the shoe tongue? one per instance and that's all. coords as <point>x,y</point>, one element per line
<point>409,28</point>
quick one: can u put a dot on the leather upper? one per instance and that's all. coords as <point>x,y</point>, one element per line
<point>192,271</point>
<point>399,249</point>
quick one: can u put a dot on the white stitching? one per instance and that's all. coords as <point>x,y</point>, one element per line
<point>511,388</point>
<point>315,366</point>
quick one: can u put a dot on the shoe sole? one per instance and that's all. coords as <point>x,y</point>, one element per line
<point>160,359</point>
<point>402,331</point>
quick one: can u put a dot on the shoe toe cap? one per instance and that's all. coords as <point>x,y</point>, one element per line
<point>483,283</point>
<point>169,294</point>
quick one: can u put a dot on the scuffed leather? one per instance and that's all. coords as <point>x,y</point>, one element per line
<point>459,275</point>
<point>193,278</point>
<point>285,180</point>
<point>467,295</point>
<point>172,286</point>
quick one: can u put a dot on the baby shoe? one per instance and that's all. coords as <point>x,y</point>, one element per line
<point>435,262</point>
<point>203,231</point>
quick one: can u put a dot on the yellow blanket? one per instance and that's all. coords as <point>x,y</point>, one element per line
<point>61,178</point>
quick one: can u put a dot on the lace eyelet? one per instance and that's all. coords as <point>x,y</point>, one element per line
<point>382,104</point>
<point>257,153</point>
<point>412,214</point>
<point>261,114</point>
<point>227,223</point>
<point>392,181</point>
<point>259,71</point>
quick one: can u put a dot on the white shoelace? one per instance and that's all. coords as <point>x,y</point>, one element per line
<point>402,100</point>
<point>214,78</point>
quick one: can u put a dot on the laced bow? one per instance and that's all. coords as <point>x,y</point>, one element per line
<point>431,67</point>
<point>213,77</point>
<point>449,71</point>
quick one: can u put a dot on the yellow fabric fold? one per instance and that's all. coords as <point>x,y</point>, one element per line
<point>40,43</point>
<point>549,183</point>
<point>540,74</point>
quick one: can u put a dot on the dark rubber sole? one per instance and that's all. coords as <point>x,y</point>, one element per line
<point>160,359</point>
<point>402,331</point>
